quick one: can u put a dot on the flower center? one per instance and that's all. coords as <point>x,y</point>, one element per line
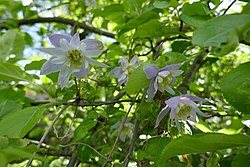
<point>164,81</point>
<point>75,57</point>
<point>184,111</point>
<point>129,69</point>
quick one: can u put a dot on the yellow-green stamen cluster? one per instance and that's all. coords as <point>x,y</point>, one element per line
<point>164,81</point>
<point>75,57</point>
<point>184,111</point>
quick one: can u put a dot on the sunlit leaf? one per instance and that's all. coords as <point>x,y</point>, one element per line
<point>19,123</point>
<point>200,143</point>
<point>12,42</point>
<point>220,31</point>
<point>134,23</point>
<point>235,87</point>
<point>137,81</point>
<point>10,72</point>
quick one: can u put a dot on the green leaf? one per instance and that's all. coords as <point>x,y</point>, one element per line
<point>235,87</point>
<point>4,142</point>
<point>222,32</point>
<point>134,23</point>
<point>161,4</point>
<point>180,46</point>
<point>19,123</point>
<point>241,160</point>
<point>153,29</point>
<point>35,65</point>
<point>170,58</point>
<point>152,148</point>
<point>10,101</point>
<point>200,143</point>
<point>195,21</point>
<point>137,81</point>
<point>82,130</point>
<point>10,72</point>
<point>11,42</point>
<point>195,9</point>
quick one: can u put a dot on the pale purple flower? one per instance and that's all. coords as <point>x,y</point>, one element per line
<point>126,68</point>
<point>71,56</point>
<point>161,79</point>
<point>181,108</point>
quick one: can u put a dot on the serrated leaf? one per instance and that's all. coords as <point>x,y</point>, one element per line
<point>19,123</point>
<point>10,72</point>
<point>137,81</point>
<point>11,42</point>
<point>153,29</point>
<point>222,31</point>
<point>200,143</point>
<point>235,87</point>
<point>134,23</point>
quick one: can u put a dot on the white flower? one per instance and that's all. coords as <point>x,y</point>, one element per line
<point>126,68</point>
<point>161,79</point>
<point>181,108</point>
<point>71,56</point>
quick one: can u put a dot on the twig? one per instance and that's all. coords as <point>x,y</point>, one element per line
<point>48,130</point>
<point>120,131</point>
<point>61,21</point>
<point>92,148</point>
<point>135,135</point>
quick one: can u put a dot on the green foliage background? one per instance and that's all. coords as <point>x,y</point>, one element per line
<point>96,123</point>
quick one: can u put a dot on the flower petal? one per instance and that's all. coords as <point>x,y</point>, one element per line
<point>65,45</point>
<point>151,71</point>
<point>162,114</point>
<point>151,90</point>
<point>134,60</point>
<point>171,67</point>
<point>170,90</point>
<point>116,72</point>
<point>92,47</point>
<point>49,67</point>
<point>94,62</point>
<point>52,51</point>
<point>200,113</point>
<point>194,98</point>
<point>59,60</point>
<point>82,73</point>
<point>64,76</point>
<point>55,38</point>
<point>173,102</point>
<point>177,72</point>
<point>75,41</point>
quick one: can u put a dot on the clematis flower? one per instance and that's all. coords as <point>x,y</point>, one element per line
<point>181,108</point>
<point>126,68</point>
<point>71,56</point>
<point>161,79</point>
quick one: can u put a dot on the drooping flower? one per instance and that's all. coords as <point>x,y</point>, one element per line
<point>181,108</point>
<point>161,79</point>
<point>71,56</point>
<point>126,68</point>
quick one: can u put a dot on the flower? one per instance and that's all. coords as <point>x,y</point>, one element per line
<point>161,80</point>
<point>181,108</point>
<point>126,68</point>
<point>71,56</point>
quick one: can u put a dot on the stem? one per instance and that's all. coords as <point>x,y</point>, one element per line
<point>120,131</point>
<point>135,135</point>
<point>47,131</point>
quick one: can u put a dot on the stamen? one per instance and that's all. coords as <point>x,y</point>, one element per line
<point>75,57</point>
